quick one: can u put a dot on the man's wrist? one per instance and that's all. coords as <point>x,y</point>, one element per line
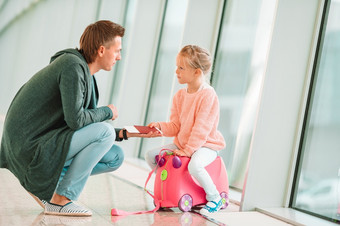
<point>125,137</point>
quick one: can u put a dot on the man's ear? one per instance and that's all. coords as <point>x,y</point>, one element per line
<point>101,51</point>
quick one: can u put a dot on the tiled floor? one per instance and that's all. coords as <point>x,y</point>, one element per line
<point>122,189</point>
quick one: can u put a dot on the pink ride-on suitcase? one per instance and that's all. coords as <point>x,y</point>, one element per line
<point>175,187</point>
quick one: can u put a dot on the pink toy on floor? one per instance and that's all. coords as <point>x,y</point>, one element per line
<point>175,187</point>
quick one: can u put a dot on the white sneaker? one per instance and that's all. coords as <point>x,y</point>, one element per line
<point>70,209</point>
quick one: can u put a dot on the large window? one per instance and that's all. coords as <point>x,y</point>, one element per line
<point>129,14</point>
<point>317,188</point>
<point>164,79</point>
<point>237,77</point>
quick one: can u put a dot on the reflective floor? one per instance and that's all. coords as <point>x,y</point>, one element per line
<point>123,190</point>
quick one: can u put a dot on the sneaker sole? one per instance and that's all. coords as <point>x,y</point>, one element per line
<point>68,214</point>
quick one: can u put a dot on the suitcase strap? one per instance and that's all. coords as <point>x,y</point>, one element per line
<point>116,212</point>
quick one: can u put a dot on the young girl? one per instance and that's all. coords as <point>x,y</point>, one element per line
<point>193,122</point>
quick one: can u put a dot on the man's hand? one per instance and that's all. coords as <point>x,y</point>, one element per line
<point>114,111</point>
<point>148,135</point>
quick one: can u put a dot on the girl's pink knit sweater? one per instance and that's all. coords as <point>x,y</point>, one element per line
<point>194,120</point>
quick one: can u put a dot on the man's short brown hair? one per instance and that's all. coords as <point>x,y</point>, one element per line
<point>98,34</point>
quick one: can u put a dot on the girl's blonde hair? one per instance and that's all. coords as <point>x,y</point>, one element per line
<point>197,57</point>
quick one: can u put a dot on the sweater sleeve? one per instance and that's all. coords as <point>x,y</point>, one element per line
<point>73,88</point>
<point>171,128</point>
<point>207,114</point>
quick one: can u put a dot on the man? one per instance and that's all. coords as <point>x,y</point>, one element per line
<point>54,135</point>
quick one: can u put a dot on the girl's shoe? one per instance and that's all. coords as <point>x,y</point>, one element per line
<point>70,209</point>
<point>211,207</point>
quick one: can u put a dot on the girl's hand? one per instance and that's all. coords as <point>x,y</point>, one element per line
<point>150,134</point>
<point>180,153</point>
<point>155,125</point>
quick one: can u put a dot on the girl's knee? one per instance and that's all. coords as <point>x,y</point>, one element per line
<point>194,167</point>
